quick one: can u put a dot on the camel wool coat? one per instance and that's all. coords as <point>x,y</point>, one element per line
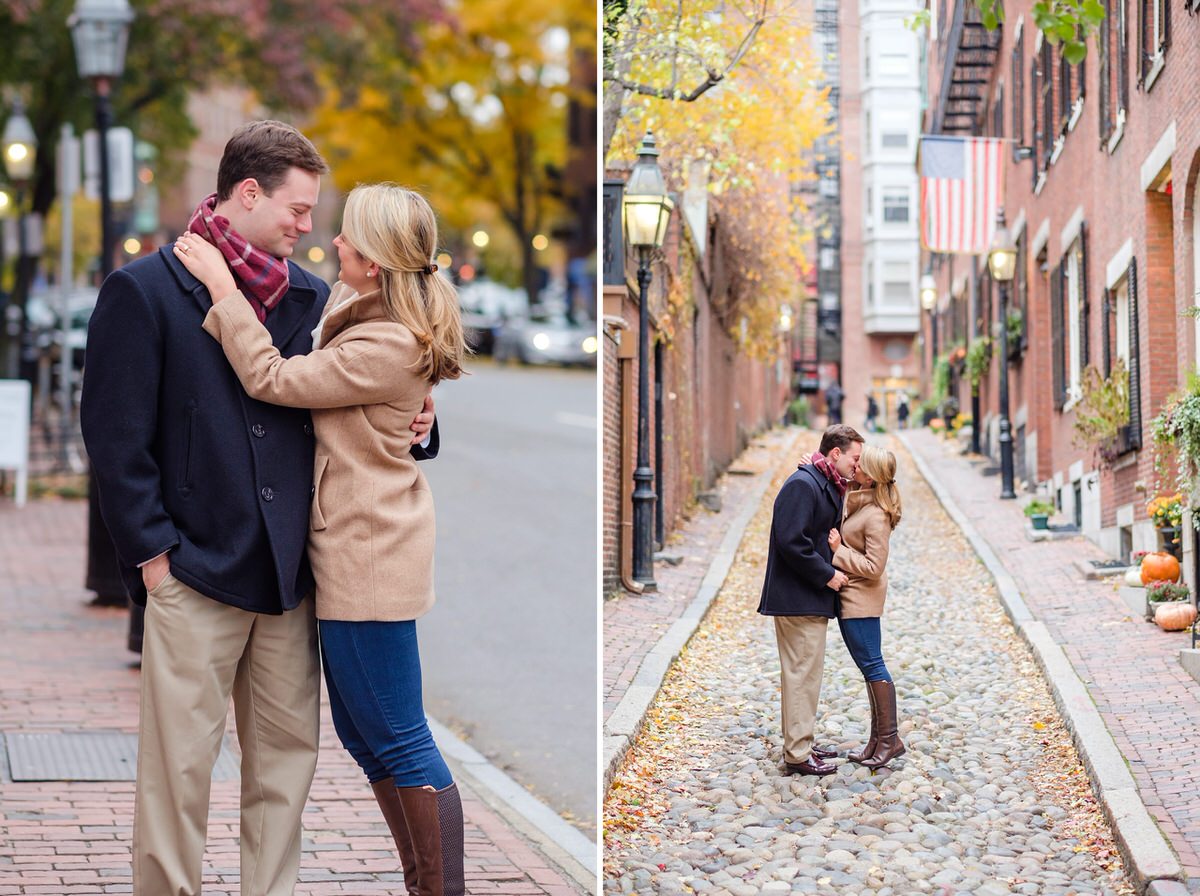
<point>863,555</point>
<point>371,525</point>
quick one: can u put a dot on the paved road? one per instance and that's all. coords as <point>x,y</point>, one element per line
<point>509,652</point>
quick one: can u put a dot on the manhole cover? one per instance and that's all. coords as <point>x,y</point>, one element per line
<point>87,757</point>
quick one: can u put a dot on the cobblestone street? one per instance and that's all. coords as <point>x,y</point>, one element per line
<point>990,799</point>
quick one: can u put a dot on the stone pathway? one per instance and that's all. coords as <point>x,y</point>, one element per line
<point>990,799</point>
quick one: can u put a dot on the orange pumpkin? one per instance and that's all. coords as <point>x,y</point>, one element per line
<point>1175,617</point>
<point>1159,567</point>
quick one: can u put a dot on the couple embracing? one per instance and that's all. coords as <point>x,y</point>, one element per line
<point>827,558</point>
<point>252,435</point>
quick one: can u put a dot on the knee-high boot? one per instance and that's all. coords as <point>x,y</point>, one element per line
<point>393,813</point>
<point>435,827</point>
<point>869,750</point>
<point>888,746</point>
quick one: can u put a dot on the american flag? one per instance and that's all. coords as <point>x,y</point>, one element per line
<point>962,184</point>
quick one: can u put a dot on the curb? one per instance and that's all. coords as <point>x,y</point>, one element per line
<point>1148,856</point>
<point>626,719</point>
<point>568,848</point>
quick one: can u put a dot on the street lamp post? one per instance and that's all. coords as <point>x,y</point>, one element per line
<point>100,32</point>
<point>647,208</point>
<point>19,146</point>
<point>1002,262</point>
<point>929,303</point>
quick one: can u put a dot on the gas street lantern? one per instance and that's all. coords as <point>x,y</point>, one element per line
<point>646,205</point>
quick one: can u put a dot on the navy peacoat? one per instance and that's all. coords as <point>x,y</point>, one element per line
<point>184,459</point>
<point>799,561</point>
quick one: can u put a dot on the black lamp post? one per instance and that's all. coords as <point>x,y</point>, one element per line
<point>1002,262</point>
<point>929,303</point>
<point>19,146</point>
<point>647,208</point>
<point>100,32</point>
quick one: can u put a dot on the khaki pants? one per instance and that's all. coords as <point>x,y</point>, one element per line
<point>196,653</point>
<point>801,642</point>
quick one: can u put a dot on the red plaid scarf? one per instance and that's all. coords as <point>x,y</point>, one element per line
<point>821,462</point>
<point>263,278</point>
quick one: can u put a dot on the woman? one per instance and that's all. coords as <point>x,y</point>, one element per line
<point>390,332</point>
<point>861,551</point>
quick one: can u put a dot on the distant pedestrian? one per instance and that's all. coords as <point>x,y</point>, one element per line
<point>902,410</point>
<point>860,550</point>
<point>800,588</point>
<point>391,331</point>
<point>833,403</point>
<point>871,424</point>
<point>207,494</point>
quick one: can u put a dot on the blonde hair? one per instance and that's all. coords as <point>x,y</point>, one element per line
<point>880,465</point>
<point>396,229</point>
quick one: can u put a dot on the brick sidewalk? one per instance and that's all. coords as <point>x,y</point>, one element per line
<point>633,624</point>
<point>64,667</point>
<point>1131,669</point>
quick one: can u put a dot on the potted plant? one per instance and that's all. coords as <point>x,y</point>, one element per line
<point>1014,326</point>
<point>1039,513</point>
<point>1167,599</point>
<point>1102,411</point>
<point>1166,511</point>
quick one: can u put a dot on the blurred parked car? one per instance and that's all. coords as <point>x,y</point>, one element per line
<point>42,315</point>
<point>547,338</point>
<point>485,305</point>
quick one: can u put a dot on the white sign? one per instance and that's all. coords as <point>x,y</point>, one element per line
<point>120,164</point>
<point>15,408</point>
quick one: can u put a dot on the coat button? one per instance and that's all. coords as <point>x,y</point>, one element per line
<point>259,430</point>
<point>267,494</point>
<point>308,429</point>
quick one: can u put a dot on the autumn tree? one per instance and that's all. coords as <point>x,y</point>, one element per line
<point>477,118</point>
<point>276,47</point>
<point>750,138</point>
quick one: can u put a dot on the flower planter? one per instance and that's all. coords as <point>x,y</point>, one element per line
<point>1039,520</point>
<point>1170,541</point>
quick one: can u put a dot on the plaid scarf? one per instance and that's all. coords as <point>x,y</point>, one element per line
<point>263,278</point>
<point>821,462</point>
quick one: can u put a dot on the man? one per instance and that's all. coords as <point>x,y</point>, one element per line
<point>801,585</point>
<point>833,403</point>
<point>206,493</point>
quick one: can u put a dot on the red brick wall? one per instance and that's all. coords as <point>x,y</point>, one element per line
<point>1115,209</point>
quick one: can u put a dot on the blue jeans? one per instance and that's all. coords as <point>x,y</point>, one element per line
<point>864,639</point>
<point>373,672</point>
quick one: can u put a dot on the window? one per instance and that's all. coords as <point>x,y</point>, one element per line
<point>998,113</point>
<point>1043,100</point>
<point>1070,91</point>
<point>867,58</point>
<point>1154,31</point>
<point>1074,318</point>
<point>894,139</point>
<point>894,64</point>
<point>895,206</point>
<point>1121,342</point>
<point>1114,69</point>
<point>897,283</point>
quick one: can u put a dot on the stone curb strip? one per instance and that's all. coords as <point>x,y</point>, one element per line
<point>565,846</point>
<point>1148,856</point>
<point>626,719</point>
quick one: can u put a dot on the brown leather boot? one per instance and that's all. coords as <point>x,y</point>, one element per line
<point>888,745</point>
<point>435,826</point>
<point>393,814</point>
<point>869,750</point>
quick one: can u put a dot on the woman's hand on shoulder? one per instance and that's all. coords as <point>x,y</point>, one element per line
<point>207,264</point>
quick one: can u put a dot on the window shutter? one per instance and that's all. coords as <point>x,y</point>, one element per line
<point>1106,330</point>
<point>1084,355</point>
<point>1057,360</point>
<point>1135,363</point>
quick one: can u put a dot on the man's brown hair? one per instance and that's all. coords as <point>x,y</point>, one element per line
<point>266,151</point>
<point>839,436</point>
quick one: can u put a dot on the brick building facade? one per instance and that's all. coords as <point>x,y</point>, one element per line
<point>1101,196</point>
<point>707,398</point>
